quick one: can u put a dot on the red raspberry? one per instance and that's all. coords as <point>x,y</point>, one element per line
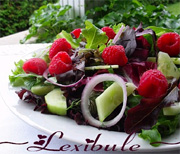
<point>35,65</point>
<point>109,32</point>
<point>60,63</point>
<point>179,86</point>
<point>76,33</point>
<point>169,43</point>
<point>153,84</point>
<point>114,55</point>
<point>58,46</point>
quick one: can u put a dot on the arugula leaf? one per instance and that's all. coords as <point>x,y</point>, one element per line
<point>74,42</point>
<point>75,105</point>
<point>94,36</point>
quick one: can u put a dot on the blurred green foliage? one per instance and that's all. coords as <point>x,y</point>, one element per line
<point>14,14</point>
<point>49,20</point>
<point>158,2</point>
<point>132,12</point>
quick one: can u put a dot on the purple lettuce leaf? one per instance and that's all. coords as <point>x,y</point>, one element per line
<point>27,96</point>
<point>139,55</point>
<point>128,41</point>
<point>75,74</point>
<point>141,52</point>
<point>133,71</point>
<point>137,48</point>
<point>140,32</point>
<point>145,114</point>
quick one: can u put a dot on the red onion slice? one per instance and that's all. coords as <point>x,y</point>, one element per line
<point>118,34</point>
<point>45,75</point>
<point>86,94</point>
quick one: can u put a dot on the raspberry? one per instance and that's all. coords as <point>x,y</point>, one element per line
<point>58,46</point>
<point>76,33</point>
<point>109,32</point>
<point>153,84</point>
<point>35,65</point>
<point>114,55</point>
<point>169,43</point>
<point>60,63</point>
<point>179,86</point>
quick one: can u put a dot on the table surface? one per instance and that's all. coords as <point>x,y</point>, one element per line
<point>13,129</point>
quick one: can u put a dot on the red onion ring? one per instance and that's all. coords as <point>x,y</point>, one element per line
<point>45,75</point>
<point>86,94</point>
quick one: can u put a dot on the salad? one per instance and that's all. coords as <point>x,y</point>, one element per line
<point>117,78</point>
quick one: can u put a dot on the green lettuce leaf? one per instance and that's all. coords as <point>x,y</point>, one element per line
<point>167,125</point>
<point>159,30</point>
<point>117,27</point>
<point>74,42</point>
<point>20,79</point>
<point>152,135</point>
<point>94,36</point>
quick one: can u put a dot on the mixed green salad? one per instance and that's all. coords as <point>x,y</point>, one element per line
<point>118,78</point>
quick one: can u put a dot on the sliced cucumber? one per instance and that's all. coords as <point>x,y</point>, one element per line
<point>172,110</point>
<point>167,67</point>
<point>56,102</point>
<point>41,89</point>
<point>111,98</point>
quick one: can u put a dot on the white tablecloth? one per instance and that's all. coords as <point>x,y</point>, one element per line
<point>14,130</point>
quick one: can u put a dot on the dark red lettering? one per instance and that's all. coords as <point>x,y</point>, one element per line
<point>76,147</point>
<point>110,149</point>
<point>65,147</point>
<point>98,146</point>
<point>127,141</point>
<point>134,147</point>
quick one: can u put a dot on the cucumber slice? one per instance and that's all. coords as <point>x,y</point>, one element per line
<point>56,102</point>
<point>172,110</point>
<point>167,67</point>
<point>111,98</point>
<point>41,89</point>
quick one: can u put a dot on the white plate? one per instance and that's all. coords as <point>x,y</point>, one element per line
<point>72,131</point>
